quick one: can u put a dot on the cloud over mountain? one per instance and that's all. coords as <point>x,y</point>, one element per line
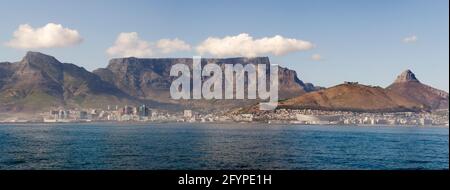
<point>245,45</point>
<point>130,45</point>
<point>49,36</point>
<point>166,46</point>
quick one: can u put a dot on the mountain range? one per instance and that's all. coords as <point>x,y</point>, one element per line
<point>40,82</point>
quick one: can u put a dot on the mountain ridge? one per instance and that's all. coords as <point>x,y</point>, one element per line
<point>149,78</point>
<point>40,81</point>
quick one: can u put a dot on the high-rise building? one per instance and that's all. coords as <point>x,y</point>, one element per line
<point>127,110</point>
<point>143,111</point>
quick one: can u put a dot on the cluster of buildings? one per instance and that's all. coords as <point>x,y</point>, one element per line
<point>126,113</point>
<point>143,113</point>
<point>307,116</point>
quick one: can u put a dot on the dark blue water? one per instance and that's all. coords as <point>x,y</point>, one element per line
<point>240,146</point>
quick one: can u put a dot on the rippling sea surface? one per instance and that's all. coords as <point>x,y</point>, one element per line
<point>221,146</point>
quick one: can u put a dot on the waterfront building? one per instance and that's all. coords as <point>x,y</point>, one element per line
<point>188,114</point>
<point>127,110</point>
<point>83,115</point>
<point>143,111</point>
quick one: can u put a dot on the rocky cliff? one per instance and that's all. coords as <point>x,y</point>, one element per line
<point>149,79</point>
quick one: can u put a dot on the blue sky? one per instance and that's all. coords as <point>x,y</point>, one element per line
<point>356,40</point>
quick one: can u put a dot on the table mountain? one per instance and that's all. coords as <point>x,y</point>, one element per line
<point>150,79</point>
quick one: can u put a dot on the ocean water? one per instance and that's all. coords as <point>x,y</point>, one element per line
<point>222,146</point>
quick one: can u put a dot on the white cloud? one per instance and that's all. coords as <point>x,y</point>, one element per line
<point>166,46</point>
<point>244,45</point>
<point>129,45</point>
<point>49,36</point>
<point>410,39</point>
<point>316,57</point>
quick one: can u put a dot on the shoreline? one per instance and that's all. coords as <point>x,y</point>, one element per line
<point>218,123</point>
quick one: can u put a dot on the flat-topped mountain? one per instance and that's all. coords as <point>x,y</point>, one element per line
<point>408,86</point>
<point>150,78</point>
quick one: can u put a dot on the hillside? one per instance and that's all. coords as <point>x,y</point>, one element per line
<point>408,86</point>
<point>352,97</point>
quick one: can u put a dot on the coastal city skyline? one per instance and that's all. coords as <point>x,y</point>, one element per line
<point>224,93</point>
<point>355,103</point>
<point>316,39</point>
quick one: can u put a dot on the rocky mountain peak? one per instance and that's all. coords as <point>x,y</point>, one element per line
<point>406,76</point>
<point>35,62</point>
<point>36,57</point>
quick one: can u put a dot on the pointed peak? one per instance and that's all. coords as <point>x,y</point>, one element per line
<point>34,53</point>
<point>37,57</point>
<point>406,76</point>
